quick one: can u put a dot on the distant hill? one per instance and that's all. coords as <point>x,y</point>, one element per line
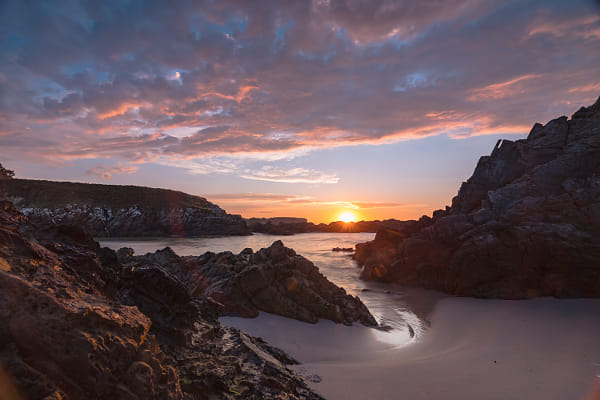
<point>115,210</point>
<point>276,220</point>
<point>290,226</point>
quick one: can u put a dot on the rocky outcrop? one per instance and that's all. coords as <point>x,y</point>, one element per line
<point>342,249</point>
<point>273,279</point>
<point>77,324</point>
<point>112,210</point>
<point>526,224</point>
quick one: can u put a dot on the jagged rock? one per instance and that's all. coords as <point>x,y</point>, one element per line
<point>526,224</point>
<point>75,323</point>
<point>112,210</point>
<point>343,249</point>
<point>274,279</point>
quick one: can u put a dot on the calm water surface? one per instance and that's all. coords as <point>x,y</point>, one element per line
<point>391,305</point>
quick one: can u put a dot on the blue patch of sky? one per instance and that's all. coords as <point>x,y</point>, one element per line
<point>71,10</point>
<point>200,26</point>
<point>237,25</point>
<point>79,15</point>
<point>76,68</point>
<point>12,43</point>
<point>413,81</point>
<point>175,74</point>
<point>44,87</point>
<point>127,57</point>
<point>324,58</point>
<point>307,56</point>
<point>279,41</point>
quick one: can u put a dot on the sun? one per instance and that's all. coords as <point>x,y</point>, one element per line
<point>347,216</point>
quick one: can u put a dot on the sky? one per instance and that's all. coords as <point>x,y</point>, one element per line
<point>287,108</point>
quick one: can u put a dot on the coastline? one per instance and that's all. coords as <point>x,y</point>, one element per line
<point>494,349</point>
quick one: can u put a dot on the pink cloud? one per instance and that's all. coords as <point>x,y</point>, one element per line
<point>106,172</point>
<point>511,87</point>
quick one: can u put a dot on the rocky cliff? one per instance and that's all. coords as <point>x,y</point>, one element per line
<point>112,210</point>
<point>527,223</point>
<point>75,323</point>
<point>274,279</point>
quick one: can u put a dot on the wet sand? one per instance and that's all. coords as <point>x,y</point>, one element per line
<point>474,349</point>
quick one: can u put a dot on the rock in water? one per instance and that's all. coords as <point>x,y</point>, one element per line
<point>274,279</point>
<point>75,323</point>
<point>526,224</point>
<point>343,249</point>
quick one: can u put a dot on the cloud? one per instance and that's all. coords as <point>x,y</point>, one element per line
<point>293,175</point>
<point>511,87</point>
<point>368,20</point>
<point>368,205</point>
<point>279,199</point>
<point>208,86</point>
<point>106,171</point>
<point>593,88</point>
<point>254,197</point>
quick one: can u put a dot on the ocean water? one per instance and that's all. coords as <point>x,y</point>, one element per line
<point>403,311</point>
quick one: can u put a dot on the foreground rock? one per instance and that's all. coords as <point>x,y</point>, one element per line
<point>526,224</point>
<point>113,210</point>
<point>76,324</point>
<point>274,279</point>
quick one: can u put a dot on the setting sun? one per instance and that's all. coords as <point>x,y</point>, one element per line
<point>347,216</point>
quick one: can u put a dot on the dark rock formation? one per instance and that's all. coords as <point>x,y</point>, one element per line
<point>274,279</point>
<point>343,249</point>
<point>6,173</point>
<point>76,324</point>
<point>527,223</point>
<point>112,210</point>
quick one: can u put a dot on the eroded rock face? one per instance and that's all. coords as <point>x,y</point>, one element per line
<point>76,324</point>
<point>526,224</point>
<point>113,210</point>
<point>273,279</point>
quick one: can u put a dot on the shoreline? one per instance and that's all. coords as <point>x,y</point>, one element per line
<point>474,349</point>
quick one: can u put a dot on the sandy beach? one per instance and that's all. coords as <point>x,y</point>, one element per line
<point>474,349</point>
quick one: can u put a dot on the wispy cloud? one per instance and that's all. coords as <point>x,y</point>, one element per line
<point>511,87</point>
<point>270,198</point>
<point>293,175</point>
<point>255,197</point>
<point>107,171</point>
<point>369,205</point>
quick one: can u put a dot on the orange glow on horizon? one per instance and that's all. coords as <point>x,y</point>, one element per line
<point>315,210</point>
<point>326,214</point>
